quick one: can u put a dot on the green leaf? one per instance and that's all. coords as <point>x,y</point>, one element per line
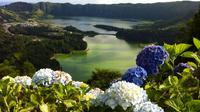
<point>194,106</point>
<point>187,54</point>
<point>173,80</point>
<point>196,43</point>
<point>192,64</point>
<point>180,48</point>
<point>196,58</point>
<point>44,108</point>
<point>69,103</point>
<point>27,109</point>
<point>34,99</point>
<point>176,104</point>
<point>12,104</point>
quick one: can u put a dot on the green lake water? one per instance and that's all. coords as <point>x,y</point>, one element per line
<point>104,51</point>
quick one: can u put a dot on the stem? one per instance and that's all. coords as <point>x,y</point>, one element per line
<point>4,98</point>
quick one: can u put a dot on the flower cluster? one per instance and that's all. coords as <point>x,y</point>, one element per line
<point>151,57</point>
<point>135,75</point>
<point>48,77</point>
<point>44,77</point>
<point>79,84</point>
<point>180,67</point>
<point>147,107</point>
<point>122,94</point>
<point>25,80</point>
<point>62,77</point>
<point>93,93</point>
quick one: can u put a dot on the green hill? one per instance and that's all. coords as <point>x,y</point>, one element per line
<point>156,11</point>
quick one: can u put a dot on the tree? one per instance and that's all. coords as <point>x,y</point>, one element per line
<point>193,26</point>
<point>101,78</point>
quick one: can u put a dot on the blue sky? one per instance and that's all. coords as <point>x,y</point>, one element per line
<point>95,1</point>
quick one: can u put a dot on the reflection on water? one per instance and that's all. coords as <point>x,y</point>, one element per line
<point>87,23</point>
<point>105,51</point>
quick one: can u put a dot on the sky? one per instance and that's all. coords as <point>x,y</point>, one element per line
<point>96,1</point>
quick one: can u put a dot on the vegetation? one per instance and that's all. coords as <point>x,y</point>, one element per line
<point>158,11</point>
<point>149,35</point>
<point>102,78</point>
<point>75,30</point>
<point>8,16</point>
<point>26,44</point>
<point>108,28</point>
<point>20,98</point>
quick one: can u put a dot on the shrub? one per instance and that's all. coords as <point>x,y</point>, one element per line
<point>102,78</point>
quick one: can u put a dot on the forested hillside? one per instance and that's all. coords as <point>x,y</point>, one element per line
<point>156,11</point>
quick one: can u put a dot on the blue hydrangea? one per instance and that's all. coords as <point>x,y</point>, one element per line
<point>135,75</point>
<point>180,67</point>
<point>151,57</point>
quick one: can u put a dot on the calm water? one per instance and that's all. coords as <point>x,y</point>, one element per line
<point>105,51</point>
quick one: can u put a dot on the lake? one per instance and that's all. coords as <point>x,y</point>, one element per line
<point>104,51</point>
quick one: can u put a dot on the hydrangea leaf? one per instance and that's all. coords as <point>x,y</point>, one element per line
<point>44,108</point>
<point>173,80</point>
<point>196,43</point>
<point>69,103</point>
<point>27,109</point>
<point>193,106</point>
<point>33,99</point>
<point>176,104</point>
<point>187,54</point>
<point>180,48</point>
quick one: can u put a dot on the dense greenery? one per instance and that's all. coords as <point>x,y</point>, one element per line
<point>102,78</point>
<point>75,30</point>
<point>173,91</point>
<point>28,43</point>
<point>8,16</point>
<point>57,98</point>
<point>108,28</point>
<point>149,35</point>
<point>157,11</point>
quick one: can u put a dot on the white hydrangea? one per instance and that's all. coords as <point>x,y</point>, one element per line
<point>44,77</point>
<point>92,94</point>
<point>48,77</point>
<point>25,80</point>
<point>79,84</point>
<point>147,107</point>
<point>62,77</point>
<point>122,94</point>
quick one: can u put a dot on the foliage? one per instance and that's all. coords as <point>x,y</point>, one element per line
<point>30,42</point>
<point>178,91</point>
<point>18,98</point>
<point>160,11</point>
<point>102,78</point>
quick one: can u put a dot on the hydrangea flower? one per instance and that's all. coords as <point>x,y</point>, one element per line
<point>93,93</point>
<point>122,94</point>
<point>180,67</point>
<point>151,57</point>
<point>48,77</point>
<point>79,84</point>
<point>135,75</point>
<point>62,77</point>
<point>25,80</point>
<point>44,77</point>
<point>147,107</point>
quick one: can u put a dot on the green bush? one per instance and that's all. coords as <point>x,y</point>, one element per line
<point>102,78</point>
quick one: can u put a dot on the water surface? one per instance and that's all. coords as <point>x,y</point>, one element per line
<point>104,51</point>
